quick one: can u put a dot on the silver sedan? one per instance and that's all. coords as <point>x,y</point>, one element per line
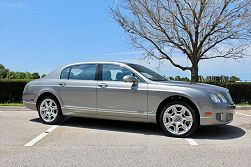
<point>130,92</point>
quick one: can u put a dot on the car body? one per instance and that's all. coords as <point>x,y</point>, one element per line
<point>126,91</point>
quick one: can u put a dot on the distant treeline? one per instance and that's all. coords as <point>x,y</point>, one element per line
<point>222,79</point>
<point>5,73</point>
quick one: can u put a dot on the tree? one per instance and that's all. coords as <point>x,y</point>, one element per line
<point>3,71</point>
<point>43,75</point>
<point>35,75</point>
<point>234,79</point>
<point>196,29</point>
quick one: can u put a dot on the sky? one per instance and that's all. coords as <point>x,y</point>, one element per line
<point>39,36</point>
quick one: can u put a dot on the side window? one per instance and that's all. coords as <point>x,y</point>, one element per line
<point>65,73</point>
<point>83,72</point>
<point>113,72</point>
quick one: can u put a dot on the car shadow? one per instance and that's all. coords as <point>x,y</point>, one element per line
<point>218,132</point>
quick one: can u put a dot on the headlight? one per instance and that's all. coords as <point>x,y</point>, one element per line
<point>218,98</point>
<point>223,99</point>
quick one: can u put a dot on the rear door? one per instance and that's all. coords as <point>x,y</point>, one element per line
<point>78,86</point>
<point>118,98</point>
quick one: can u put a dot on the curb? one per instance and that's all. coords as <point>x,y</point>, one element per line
<point>243,107</point>
<point>13,108</point>
<point>17,108</point>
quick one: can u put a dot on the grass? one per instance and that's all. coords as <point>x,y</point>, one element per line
<point>12,104</point>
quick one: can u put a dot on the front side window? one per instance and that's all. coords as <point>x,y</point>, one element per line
<point>83,72</point>
<point>113,72</point>
<point>147,72</point>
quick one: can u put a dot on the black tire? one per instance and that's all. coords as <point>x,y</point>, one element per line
<point>195,118</point>
<point>59,116</point>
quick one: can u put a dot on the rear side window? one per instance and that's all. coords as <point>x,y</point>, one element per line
<point>65,73</point>
<point>83,72</point>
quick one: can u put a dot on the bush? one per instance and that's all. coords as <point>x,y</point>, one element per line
<point>240,91</point>
<point>11,91</point>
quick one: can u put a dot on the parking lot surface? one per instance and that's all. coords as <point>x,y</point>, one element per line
<point>25,141</point>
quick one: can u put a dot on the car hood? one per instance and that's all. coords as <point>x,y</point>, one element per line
<point>200,86</point>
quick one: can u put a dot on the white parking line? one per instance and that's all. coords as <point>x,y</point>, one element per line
<point>243,114</point>
<point>191,141</point>
<point>42,135</point>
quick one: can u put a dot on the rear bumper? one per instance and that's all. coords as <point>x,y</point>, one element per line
<point>221,115</point>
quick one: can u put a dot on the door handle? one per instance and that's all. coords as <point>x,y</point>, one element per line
<point>103,85</point>
<point>62,83</point>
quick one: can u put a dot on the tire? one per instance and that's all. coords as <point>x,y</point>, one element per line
<point>178,119</point>
<point>49,110</point>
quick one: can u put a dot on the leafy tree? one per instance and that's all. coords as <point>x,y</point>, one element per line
<point>35,75</point>
<point>196,29</point>
<point>43,75</point>
<point>3,71</point>
<point>234,79</point>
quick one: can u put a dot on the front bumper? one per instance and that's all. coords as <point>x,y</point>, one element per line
<point>220,115</point>
<point>30,105</point>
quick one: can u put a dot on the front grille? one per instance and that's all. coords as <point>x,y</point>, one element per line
<point>229,117</point>
<point>219,116</point>
<point>224,117</point>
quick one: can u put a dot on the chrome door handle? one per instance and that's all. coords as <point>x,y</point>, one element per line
<point>103,85</point>
<point>62,83</point>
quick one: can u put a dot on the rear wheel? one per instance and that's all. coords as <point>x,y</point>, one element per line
<point>49,110</point>
<point>179,119</point>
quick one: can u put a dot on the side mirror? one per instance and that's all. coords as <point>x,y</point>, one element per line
<point>130,78</point>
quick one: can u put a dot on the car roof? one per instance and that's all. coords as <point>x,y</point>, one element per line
<point>98,62</point>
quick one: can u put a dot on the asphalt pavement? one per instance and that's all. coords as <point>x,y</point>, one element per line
<point>25,141</point>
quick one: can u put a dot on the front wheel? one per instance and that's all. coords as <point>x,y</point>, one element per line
<point>179,119</point>
<point>49,110</point>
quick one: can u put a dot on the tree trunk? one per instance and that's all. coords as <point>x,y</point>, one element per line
<point>194,73</point>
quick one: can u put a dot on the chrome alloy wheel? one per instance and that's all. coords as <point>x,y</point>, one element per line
<point>48,110</point>
<point>178,119</point>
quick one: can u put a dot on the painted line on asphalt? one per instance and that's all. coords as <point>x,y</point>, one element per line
<point>191,141</point>
<point>243,114</point>
<point>1,111</point>
<point>42,135</point>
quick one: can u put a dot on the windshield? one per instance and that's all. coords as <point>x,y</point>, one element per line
<point>147,72</point>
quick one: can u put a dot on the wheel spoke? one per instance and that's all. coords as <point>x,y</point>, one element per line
<point>42,108</point>
<point>187,118</point>
<point>50,103</point>
<point>174,109</point>
<point>49,116</point>
<point>176,128</point>
<point>184,126</point>
<point>53,108</point>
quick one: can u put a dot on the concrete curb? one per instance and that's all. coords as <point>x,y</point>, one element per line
<point>13,108</point>
<point>18,108</point>
<point>243,107</point>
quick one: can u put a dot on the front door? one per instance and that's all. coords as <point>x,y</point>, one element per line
<point>78,88</point>
<point>118,98</point>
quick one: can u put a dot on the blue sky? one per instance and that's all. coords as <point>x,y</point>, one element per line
<point>39,36</point>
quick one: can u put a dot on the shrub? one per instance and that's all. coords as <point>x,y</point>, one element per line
<point>11,91</point>
<point>240,91</point>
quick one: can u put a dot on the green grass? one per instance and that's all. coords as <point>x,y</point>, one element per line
<point>12,104</point>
